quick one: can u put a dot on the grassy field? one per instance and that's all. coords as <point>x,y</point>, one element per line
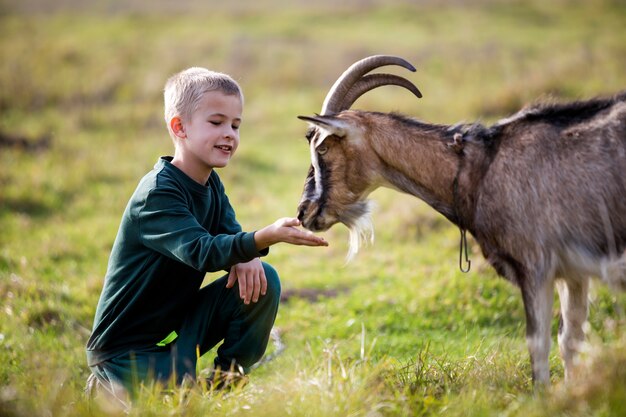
<point>400,330</point>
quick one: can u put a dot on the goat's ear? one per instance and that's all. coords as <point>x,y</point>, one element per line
<point>329,124</point>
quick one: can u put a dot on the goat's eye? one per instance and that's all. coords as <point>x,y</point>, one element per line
<point>322,149</point>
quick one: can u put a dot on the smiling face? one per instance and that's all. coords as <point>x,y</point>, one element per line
<point>209,137</point>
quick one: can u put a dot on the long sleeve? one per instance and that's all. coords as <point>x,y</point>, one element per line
<point>167,226</point>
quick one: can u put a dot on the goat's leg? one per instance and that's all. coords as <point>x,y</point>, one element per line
<point>574,310</point>
<point>538,296</point>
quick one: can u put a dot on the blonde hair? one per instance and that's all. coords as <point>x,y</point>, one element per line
<point>184,90</point>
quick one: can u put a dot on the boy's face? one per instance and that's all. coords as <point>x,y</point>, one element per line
<point>211,135</point>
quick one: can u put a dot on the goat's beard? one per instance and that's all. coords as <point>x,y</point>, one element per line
<point>357,217</point>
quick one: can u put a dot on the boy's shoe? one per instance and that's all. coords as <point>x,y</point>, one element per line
<point>91,386</point>
<point>112,401</point>
<point>219,380</point>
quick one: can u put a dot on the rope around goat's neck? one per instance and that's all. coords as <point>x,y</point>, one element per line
<point>457,146</point>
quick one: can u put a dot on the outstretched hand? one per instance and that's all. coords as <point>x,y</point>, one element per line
<point>286,230</point>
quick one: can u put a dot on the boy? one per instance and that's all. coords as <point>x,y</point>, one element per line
<point>153,321</point>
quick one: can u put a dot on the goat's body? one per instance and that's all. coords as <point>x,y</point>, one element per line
<point>551,204</point>
<point>551,197</point>
<point>531,191</point>
<point>543,193</point>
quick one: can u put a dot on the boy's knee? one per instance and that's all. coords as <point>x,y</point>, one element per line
<point>273,281</point>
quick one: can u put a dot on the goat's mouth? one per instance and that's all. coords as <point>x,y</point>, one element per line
<point>317,223</point>
<point>356,217</point>
<point>316,227</point>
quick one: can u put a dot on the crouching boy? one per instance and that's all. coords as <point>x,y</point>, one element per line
<point>153,320</point>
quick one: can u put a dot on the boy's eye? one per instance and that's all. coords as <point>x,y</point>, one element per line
<point>235,127</point>
<point>215,123</point>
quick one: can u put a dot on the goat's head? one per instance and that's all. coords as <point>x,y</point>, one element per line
<point>341,176</point>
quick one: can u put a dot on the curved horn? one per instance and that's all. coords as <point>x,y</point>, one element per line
<point>334,98</point>
<point>372,81</point>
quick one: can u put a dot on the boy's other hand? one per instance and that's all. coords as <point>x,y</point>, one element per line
<point>286,230</point>
<point>251,278</point>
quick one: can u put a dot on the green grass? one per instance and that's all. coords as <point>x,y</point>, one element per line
<point>399,331</point>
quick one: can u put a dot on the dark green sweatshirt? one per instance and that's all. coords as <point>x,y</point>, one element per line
<point>173,231</point>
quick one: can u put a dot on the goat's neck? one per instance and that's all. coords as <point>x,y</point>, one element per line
<point>418,161</point>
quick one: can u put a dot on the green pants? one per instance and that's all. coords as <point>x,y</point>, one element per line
<point>218,313</point>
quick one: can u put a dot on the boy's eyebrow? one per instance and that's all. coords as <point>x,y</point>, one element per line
<point>224,115</point>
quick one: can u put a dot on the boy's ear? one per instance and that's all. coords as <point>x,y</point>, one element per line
<point>176,124</point>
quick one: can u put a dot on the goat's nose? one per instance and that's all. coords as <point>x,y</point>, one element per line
<point>301,209</point>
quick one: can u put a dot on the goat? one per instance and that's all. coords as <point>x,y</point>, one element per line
<point>543,192</point>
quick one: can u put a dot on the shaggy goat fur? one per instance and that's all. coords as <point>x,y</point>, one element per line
<point>543,192</point>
